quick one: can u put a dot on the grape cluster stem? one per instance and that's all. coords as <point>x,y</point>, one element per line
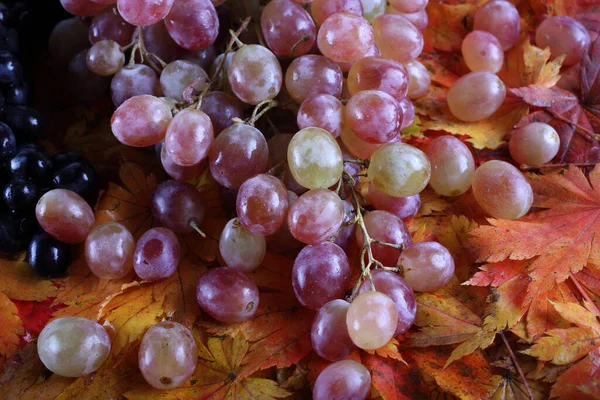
<point>139,47</point>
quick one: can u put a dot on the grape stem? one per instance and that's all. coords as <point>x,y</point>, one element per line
<point>195,227</point>
<point>362,163</point>
<point>303,39</point>
<point>562,165</point>
<point>264,106</point>
<point>139,46</point>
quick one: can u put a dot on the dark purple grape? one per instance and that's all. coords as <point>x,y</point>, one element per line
<point>48,256</point>
<point>61,160</point>
<point>176,205</point>
<point>10,68</point>
<point>16,93</point>
<point>15,233</point>
<point>30,163</point>
<point>27,123</point>
<point>8,143</point>
<point>20,195</point>
<point>9,40</point>
<point>79,177</point>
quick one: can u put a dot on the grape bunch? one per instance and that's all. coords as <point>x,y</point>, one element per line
<point>29,175</point>
<point>347,70</point>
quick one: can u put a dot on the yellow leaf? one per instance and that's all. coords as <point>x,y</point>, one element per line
<point>390,350</point>
<point>11,326</point>
<point>526,64</point>
<point>19,282</point>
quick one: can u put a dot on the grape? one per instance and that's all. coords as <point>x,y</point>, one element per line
<point>109,25</point>
<point>374,116</point>
<point>501,19</point>
<point>8,142</point>
<point>402,207</point>
<point>346,379</point>
<point>321,273</point>
<point>534,144</point>
<point>346,233</point>
<point>316,216</point>
<point>323,9</point>
<point>254,74</point>
<point>141,121</point>
<point>189,137</point>
<point>356,146</point>
<point>47,256</point>
<point>408,113</point>
<point>26,123</point>
<point>311,74</point>
<point>345,66</point>
<point>399,169</point>
<point>221,76</point>
<point>399,291</point>
<point>373,8</point>
<point>563,35</point>
<point>238,153</point>
<point>83,83</point>
<point>176,171</point>
<point>202,57</point>
<point>282,241</point>
<point>193,24</point>
<point>570,79</point>
<point>221,107</point>
<point>287,28</point>
<point>20,195</point>
<point>105,1</point>
<point>227,295</point>
<point>156,255</point>
<point>105,58</point>
<point>322,111</point>
<point>144,12</point>
<point>11,70</point>
<point>502,190</point>
<point>419,18</point>
<point>82,8</point>
<point>240,248</point>
<point>476,96</point>
<point>134,81</point>
<point>67,39</point>
<point>371,320</point>
<point>315,158</point>
<point>409,6</point>
<point>482,52</point>
<point>345,37</point>
<point>73,346</point>
<point>329,334</point>
<point>262,204</point>
<point>168,354</point>
<point>378,73</point>
<point>452,166</point>
<point>65,215</point>
<point>385,227</point>
<point>397,38</point>
<point>109,251</point>
<point>179,75</point>
<point>177,205</point>
<point>426,266</point>
<point>158,41</point>
<point>278,146</point>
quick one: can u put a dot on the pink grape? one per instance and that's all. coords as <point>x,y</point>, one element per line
<point>168,354</point>
<point>323,9</point>
<point>322,111</point>
<point>345,37</point>
<point>157,254</point>
<point>502,190</point>
<point>316,216</point>
<point>141,121</point>
<point>105,1</point>
<point>329,334</point>
<point>254,74</point>
<point>419,79</point>
<point>419,18</point>
<point>109,251</point>
<point>158,41</point>
<point>134,81</point>
<point>67,39</point>
<point>176,171</point>
<point>534,144</point>
<point>563,35</point>
<point>109,25</point>
<point>240,248</point>
<point>371,320</point>
<point>237,154</point>
<point>193,24</point>
<point>105,58</point>
<point>452,166</point>
<point>189,137</point>
<point>202,57</point>
<point>402,207</point>
<point>287,28</point>
<point>399,291</point>
<point>373,52</point>
<point>427,266</point>
<point>501,19</point>
<point>408,113</point>
<point>282,241</point>
<point>278,146</point>
<point>476,96</point>
<point>82,8</point>
<point>262,204</point>
<point>385,227</point>
<point>356,146</point>
<point>227,295</point>
<point>378,73</point>
<point>177,205</point>
<point>397,38</point>
<point>346,233</point>
<point>346,379</point>
<point>321,273</point>
<point>374,116</point>
<point>144,12</point>
<point>409,6</point>
<point>65,215</point>
<point>222,107</point>
<point>482,51</point>
<point>310,75</point>
<point>178,75</point>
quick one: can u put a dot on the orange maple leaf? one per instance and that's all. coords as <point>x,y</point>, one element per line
<point>11,325</point>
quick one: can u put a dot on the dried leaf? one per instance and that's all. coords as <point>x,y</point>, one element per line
<point>11,325</point>
<point>19,282</point>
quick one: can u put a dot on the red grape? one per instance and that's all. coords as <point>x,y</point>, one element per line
<point>156,255</point>
<point>262,204</point>
<point>316,216</point>
<point>287,28</point>
<point>329,334</point>
<point>193,24</point>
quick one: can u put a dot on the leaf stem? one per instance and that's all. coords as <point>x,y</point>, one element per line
<point>517,366</point>
<point>559,165</point>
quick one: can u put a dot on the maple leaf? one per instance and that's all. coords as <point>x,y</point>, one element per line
<point>20,282</point>
<point>11,325</point>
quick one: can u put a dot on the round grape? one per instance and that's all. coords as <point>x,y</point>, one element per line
<point>240,248</point>
<point>316,216</point>
<point>482,51</point>
<point>310,75</point>
<point>534,144</point>
<point>476,96</point>
<point>189,137</point>
<point>323,9</point>
<point>452,166</point>
<point>322,111</point>
<point>345,37</point>
<point>144,12</point>
<point>156,255</point>
<point>178,75</point>
<point>371,320</point>
<point>374,116</point>
<point>379,73</point>
<point>409,6</point>
<point>109,25</point>
<point>397,38</point>
<point>402,207</point>
<point>329,334</point>
<point>109,251</point>
<point>133,81</point>
<point>427,266</point>
<point>65,215</point>
<point>346,379</point>
<point>193,24</point>
<point>82,8</point>
<point>563,35</point>
<point>222,107</point>
<point>385,227</point>
<point>141,121</point>
<point>105,58</point>
<point>262,204</point>
<point>254,74</point>
<point>287,28</point>
<point>501,19</point>
<point>178,206</point>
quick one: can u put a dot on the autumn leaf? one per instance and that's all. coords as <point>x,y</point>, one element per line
<point>20,282</point>
<point>11,325</point>
<point>581,381</point>
<point>526,64</point>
